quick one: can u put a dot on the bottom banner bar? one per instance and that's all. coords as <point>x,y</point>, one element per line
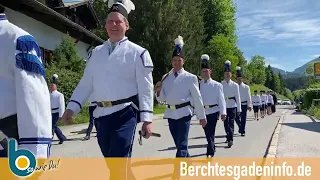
<point>171,168</point>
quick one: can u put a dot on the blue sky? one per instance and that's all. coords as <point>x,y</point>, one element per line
<point>285,32</point>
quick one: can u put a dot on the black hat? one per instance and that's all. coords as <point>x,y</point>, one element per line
<point>178,47</point>
<point>205,61</point>
<point>227,66</point>
<point>239,73</point>
<point>54,79</point>
<point>255,91</point>
<point>123,7</point>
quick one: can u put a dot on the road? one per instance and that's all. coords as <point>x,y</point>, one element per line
<point>253,145</point>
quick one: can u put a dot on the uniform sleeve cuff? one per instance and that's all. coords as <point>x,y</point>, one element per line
<point>146,116</point>
<point>73,107</point>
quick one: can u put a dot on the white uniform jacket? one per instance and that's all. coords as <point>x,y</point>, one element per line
<point>256,100</point>
<point>231,90</point>
<point>23,88</point>
<point>181,89</point>
<point>212,94</point>
<point>57,103</point>
<point>245,95</point>
<point>263,99</point>
<point>111,76</point>
<point>270,99</point>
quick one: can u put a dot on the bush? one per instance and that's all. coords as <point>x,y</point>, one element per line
<point>67,80</point>
<point>309,95</point>
<point>69,67</point>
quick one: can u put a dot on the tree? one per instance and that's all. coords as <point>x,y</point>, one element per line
<point>268,72</point>
<point>220,18</point>
<point>276,83</point>
<point>65,56</point>
<point>220,50</point>
<point>257,68</point>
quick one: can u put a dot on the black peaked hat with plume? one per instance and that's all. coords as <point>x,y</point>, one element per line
<point>239,73</point>
<point>123,7</point>
<point>227,67</point>
<point>178,47</point>
<point>205,61</point>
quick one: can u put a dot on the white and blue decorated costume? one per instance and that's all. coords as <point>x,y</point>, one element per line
<point>180,90</point>
<point>233,104</point>
<point>25,113</point>
<point>214,104</point>
<point>124,97</point>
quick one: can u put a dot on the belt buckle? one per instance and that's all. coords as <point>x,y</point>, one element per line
<point>206,106</point>
<point>106,104</point>
<point>172,107</point>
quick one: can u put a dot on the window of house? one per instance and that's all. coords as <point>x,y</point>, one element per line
<point>46,55</point>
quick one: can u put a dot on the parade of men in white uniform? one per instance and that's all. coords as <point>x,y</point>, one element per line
<point>180,90</point>
<point>245,96</point>
<point>25,113</point>
<point>233,102</point>
<point>256,103</point>
<point>57,109</point>
<point>214,103</point>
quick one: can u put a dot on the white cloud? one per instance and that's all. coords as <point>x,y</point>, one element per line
<point>272,20</point>
<point>316,56</point>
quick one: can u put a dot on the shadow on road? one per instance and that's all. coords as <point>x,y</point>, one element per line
<point>218,136</point>
<point>309,126</point>
<point>83,131</point>
<point>198,146</point>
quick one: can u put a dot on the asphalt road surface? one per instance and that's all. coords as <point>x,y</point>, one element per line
<point>253,145</point>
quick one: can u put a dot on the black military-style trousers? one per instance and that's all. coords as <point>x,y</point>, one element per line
<point>229,123</point>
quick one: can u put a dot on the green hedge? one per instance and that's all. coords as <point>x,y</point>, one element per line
<point>310,94</point>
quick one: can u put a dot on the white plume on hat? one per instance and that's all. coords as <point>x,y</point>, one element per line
<point>238,68</point>
<point>205,56</point>
<point>228,62</point>
<point>179,41</point>
<point>127,4</point>
<point>55,76</point>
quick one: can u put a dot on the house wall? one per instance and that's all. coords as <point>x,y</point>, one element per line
<point>46,36</point>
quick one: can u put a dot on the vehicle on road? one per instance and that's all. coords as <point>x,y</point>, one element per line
<point>286,102</point>
<point>279,101</point>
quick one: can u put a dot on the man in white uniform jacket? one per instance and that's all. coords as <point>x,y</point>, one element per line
<point>179,88</point>
<point>245,96</point>
<point>263,103</point>
<point>57,109</point>
<point>124,97</point>
<point>233,102</point>
<point>25,113</point>
<point>256,102</point>
<point>214,103</point>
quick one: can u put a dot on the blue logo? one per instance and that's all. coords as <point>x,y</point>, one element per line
<point>21,162</point>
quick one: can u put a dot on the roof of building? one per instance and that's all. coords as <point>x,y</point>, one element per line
<point>43,13</point>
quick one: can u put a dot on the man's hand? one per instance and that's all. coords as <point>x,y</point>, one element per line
<point>146,129</point>
<point>223,117</point>
<point>158,86</point>
<point>67,116</point>
<point>203,122</point>
<point>249,108</point>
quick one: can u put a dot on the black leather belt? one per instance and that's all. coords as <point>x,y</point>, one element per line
<point>54,109</point>
<point>230,98</point>
<point>244,102</point>
<point>133,99</point>
<point>9,126</point>
<point>210,106</point>
<point>174,107</point>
